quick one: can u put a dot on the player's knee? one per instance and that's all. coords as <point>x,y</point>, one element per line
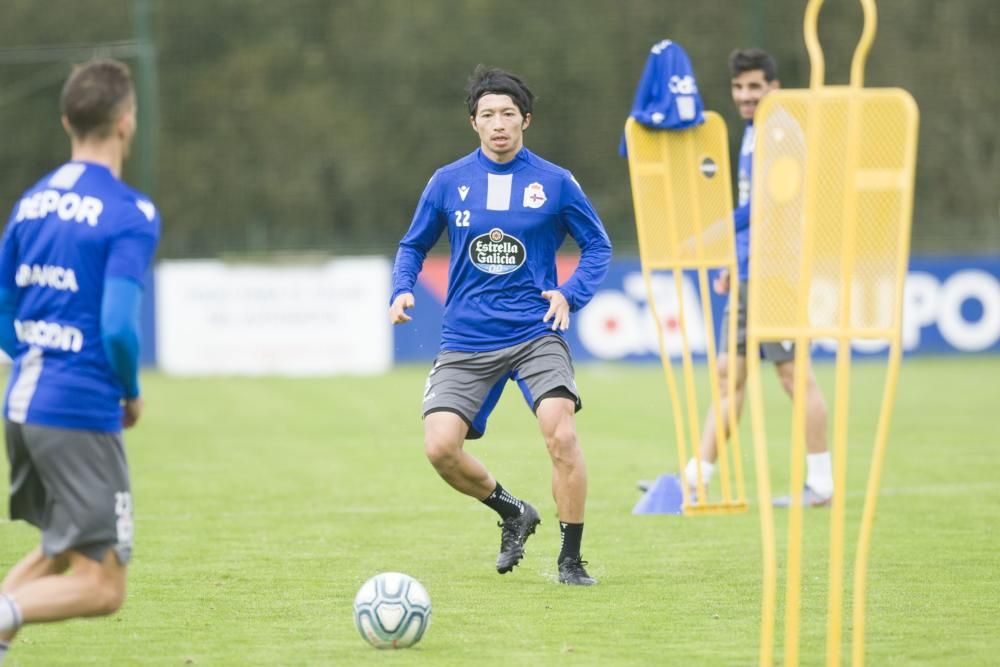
<point>724,370</point>
<point>786,375</point>
<point>111,601</point>
<point>562,442</point>
<point>441,452</point>
<point>111,598</point>
<point>107,593</point>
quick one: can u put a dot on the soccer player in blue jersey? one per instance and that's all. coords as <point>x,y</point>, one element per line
<point>754,74</point>
<point>72,261</point>
<point>506,212</point>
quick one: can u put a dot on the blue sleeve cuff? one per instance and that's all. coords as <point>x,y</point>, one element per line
<point>120,313</point>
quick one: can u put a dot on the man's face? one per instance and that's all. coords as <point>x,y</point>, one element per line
<point>748,89</point>
<point>500,126</point>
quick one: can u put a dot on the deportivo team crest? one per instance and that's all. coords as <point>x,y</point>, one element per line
<point>497,253</point>
<point>534,195</point>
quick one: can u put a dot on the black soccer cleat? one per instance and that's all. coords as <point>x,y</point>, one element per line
<point>514,533</point>
<point>571,572</point>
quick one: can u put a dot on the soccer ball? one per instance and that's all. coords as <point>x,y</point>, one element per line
<point>392,610</point>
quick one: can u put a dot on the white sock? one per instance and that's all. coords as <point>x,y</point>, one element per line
<point>3,649</point>
<point>691,472</point>
<point>10,614</point>
<point>819,474</point>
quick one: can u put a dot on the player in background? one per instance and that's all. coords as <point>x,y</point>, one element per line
<point>753,75</point>
<point>506,211</point>
<point>72,261</point>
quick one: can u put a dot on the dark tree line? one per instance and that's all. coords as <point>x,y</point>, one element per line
<point>309,125</point>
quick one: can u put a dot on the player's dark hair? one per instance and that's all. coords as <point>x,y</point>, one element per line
<point>747,60</point>
<point>486,80</point>
<point>94,96</point>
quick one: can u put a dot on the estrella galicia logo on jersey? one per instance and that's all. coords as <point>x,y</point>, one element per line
<point>497,253</point>
<point>534,195</point>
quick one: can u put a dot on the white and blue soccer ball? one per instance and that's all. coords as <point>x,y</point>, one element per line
<point>392,610</point>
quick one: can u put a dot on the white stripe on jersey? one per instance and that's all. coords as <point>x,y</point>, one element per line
<point>498,191</point>
<point>24,387</point>
<point>67,176</point>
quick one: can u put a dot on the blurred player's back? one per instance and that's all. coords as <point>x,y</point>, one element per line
<point>74,227</point>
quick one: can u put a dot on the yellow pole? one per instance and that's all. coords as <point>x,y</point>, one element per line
<point>768,547</point>
<point>864,44</point>
<point>816,63</point>
<point>871,501</point>
<point>793,586</point>
<point>687,366</point>
<point>668,373</point>
<point>734,429</point>
<point>835,594</point>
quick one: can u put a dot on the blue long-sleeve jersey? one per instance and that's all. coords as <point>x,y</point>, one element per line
<point>75,233</point>
<point>505,223</point>
<point>667,96</point>
<point>741,215</point>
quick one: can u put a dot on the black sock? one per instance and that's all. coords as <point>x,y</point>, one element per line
<point>504,504</point>
<point>572,535</point>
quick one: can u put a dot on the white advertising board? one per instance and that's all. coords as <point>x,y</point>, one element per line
<point>216,318</point>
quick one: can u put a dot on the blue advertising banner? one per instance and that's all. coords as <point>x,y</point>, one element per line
<point>951,305</point>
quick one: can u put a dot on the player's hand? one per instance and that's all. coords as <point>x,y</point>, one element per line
<point>133,410</point>
<point>397,314</point>
<point>721,282</point>
<point>558,309</point>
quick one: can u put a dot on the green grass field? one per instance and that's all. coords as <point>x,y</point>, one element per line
<point>263,504</point>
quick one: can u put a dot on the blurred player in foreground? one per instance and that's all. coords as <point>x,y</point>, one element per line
<point>72,261</point>
<point>506,211</point>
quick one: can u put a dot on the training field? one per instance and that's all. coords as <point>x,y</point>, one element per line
<point>263,504</point>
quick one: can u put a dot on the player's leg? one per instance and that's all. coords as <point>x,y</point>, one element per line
<point>819,473</point>
<point>33,566</point>
<point>444,439</point>
<point>91,588</point>
<point>708,447</point>
<point>77,493</point>
<point>462,390</point>
<point>569,469</point>
<point>557,421</point>
<point>543,369</point>
<point>709,433</point>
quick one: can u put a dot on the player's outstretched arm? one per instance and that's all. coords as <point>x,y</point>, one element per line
<point>397,311</point>
<point>558,309</point>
